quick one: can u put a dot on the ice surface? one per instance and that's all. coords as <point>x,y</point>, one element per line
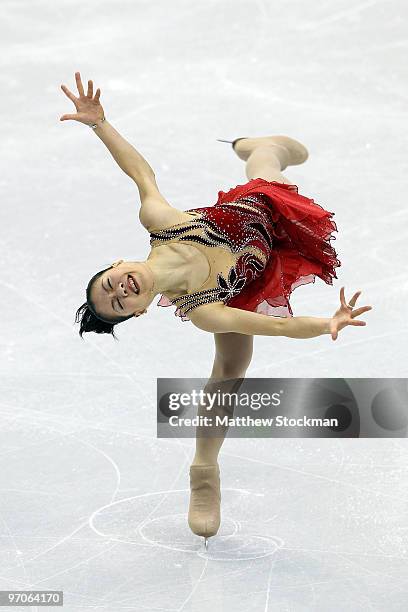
<point>91,501</point>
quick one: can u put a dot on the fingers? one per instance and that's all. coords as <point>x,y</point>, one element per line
<point>80,88</point>
<point>65,117</point>
<point>342,298</point>
<point>360,311</point>
<point>79,84</point>
<point>69,94</point>
<point>350,319</point>
<point>354,299</point>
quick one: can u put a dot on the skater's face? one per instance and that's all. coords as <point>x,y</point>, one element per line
<point>125,289</point>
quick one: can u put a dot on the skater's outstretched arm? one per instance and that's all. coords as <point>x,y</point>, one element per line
<point>218,318</point>
<point>154,209</point>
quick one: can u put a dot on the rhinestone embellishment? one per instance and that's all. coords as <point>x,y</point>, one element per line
<point>237,227</point>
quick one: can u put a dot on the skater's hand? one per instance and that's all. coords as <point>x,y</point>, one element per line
<point>89,109</point>
<point>345,315</point>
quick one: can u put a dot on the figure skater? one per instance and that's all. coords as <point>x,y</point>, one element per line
<point>229,268</point>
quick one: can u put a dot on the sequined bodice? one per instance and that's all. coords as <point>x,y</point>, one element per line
<point>236,239</point>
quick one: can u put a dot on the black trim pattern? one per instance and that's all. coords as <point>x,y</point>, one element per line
<point>225,290</point>
<point>260,228</point>
<point>212,235</point>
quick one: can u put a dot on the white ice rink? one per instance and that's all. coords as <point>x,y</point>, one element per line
<point>91,502</point>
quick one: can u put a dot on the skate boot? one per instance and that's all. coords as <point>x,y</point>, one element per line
<point>204,515</point>
<point>296,152</point>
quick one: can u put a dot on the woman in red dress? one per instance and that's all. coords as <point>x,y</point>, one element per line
<point>229,268</point>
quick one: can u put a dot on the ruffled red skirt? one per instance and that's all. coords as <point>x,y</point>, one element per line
<point>301,247</point>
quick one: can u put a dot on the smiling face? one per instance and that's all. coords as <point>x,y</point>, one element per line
<point>123,290</point>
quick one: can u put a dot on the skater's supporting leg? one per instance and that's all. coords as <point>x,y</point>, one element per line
<point>232,358</point>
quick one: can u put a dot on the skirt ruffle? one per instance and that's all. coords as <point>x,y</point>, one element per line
<point>301,247</point>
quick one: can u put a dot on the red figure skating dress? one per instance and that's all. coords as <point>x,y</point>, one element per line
<point>262,240</point>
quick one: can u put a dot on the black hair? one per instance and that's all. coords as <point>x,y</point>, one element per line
<point>92,322</point>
